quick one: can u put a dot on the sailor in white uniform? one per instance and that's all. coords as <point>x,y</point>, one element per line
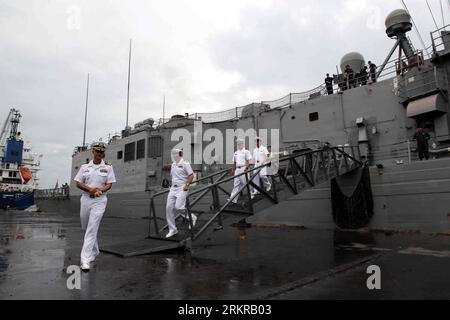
<point>182,176</point>
<point>95,179</point>
<point>241,162</point>
<point>261,157</point>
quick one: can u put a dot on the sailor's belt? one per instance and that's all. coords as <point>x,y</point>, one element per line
<point>176,186</point>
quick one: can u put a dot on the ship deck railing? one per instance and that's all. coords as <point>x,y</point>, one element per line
<point>406,152</point>
<point>438,43</point>
<point>392,69</point>
<point>55,193</point>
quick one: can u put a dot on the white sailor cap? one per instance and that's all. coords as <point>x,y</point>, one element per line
<point>239,141</point>
<point>258,138</point>
<point>99,146</point>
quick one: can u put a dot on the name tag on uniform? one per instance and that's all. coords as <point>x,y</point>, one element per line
<point>103,170</point>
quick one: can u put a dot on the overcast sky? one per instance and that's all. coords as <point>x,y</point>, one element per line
<point>203,55</point>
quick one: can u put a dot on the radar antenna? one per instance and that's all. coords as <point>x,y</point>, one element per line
<point>398,23</point>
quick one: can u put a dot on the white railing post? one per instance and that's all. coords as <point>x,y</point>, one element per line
<point>409,150</point>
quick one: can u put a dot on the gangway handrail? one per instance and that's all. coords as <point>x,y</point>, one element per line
<point>152,213</point>
<point>334,154</point>
<point>208,186</point>
<point>282,158</point>
<point>195,181</point>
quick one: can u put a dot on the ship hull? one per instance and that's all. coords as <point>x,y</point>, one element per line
<point>408,197</point>
<point>16,200</point>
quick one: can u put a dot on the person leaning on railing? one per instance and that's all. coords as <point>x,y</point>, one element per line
<point>329,84</point>
<point>372,71</point>
<point>350,73</point>
<point>363,75</point>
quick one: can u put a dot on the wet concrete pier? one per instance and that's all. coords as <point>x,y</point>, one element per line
<point>260,262</point>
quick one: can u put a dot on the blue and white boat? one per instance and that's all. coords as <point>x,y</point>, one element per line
<point>18,166</point>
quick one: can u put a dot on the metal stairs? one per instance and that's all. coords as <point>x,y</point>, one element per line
<point>209,198</point>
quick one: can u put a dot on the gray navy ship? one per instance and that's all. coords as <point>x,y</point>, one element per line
<point>346,165</point>
<point>379,115</point>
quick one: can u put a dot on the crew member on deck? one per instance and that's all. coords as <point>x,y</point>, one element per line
<point>363,76</point>
<point>373,71</point>
<point>329,84</point>
<point>241,162</point>
<point>95,179</point>
<point>260,156</point>
<point>350,76</point>
<point>182,176</point>
<point>422,138</point>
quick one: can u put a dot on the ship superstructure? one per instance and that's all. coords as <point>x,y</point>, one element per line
<point>378,113</point>
<point>380,116</point>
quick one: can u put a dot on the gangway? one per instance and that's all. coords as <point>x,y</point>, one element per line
<point>295,173</point>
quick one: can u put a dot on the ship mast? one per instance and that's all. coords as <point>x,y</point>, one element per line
<point>128,90</point>
<point>85,111</point>
<point>14,124</point>
<point>11,120</point>
<point>164,108</point>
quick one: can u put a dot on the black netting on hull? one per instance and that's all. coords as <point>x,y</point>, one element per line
<point>355,211</point>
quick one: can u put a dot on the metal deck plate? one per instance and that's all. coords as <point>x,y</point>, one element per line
<point>141,247</point>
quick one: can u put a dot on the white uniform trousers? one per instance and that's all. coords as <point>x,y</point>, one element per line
<point>239,182</point>
<point>176,202</point>
<point>91,213</point>
<point>261,176</point>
